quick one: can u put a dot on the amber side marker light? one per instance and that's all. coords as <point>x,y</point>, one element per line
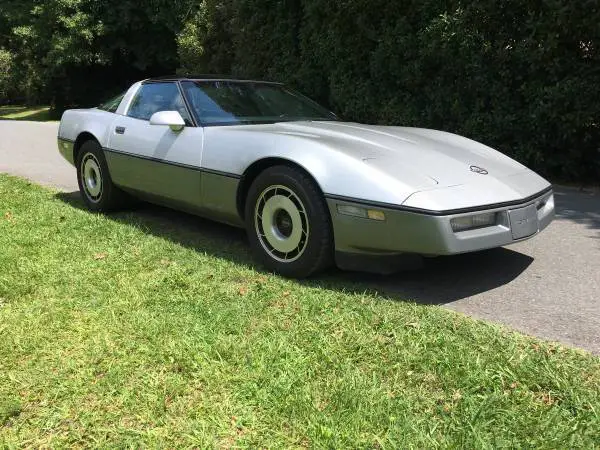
<point>365,213</point>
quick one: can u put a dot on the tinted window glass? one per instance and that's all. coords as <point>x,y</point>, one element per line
<point>155,97</point>
<point>113,104</point>
<point>231,102</point>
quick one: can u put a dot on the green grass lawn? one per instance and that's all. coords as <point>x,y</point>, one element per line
<point>34,113</point>
<point>132,330</point>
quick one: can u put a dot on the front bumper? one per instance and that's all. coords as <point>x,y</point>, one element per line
<point>405,231</point>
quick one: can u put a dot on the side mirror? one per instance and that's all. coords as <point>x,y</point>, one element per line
<point>171,118</point>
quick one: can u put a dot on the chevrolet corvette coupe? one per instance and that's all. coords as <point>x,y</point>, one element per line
<point>309,189</point>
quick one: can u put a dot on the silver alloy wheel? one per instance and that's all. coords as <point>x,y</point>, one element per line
<point>91,177</point>
<point>281,223</point>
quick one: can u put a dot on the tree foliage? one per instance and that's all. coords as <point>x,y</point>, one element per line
<point>73,51</point>
<point>520,76</point>
<point>5,74</point>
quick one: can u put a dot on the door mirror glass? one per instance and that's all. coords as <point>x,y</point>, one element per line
<point>170,118</point>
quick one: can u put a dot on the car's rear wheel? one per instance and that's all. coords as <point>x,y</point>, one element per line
<point>96,187</point>
<point>288,223</point>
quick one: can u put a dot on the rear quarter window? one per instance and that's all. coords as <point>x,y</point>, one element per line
<point>113,104</point>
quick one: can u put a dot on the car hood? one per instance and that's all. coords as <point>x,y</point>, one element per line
<point>442,159</point>
<point>379,163</point>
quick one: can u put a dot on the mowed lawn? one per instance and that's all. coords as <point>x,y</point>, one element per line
<point>155,329</point>
<point>35,113</point>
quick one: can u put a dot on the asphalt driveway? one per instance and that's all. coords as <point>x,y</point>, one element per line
<point>548,286</point>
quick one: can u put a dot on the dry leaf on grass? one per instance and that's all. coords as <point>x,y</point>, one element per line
<point>99,256</point>
<point>456,395</point>
<point>547,399</point>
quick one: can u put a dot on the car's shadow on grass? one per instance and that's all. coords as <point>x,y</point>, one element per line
<point>441,280</point>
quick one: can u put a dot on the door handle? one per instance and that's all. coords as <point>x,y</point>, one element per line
<point>120,130</point>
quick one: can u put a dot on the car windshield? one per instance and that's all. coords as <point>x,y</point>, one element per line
<point>218,102</point>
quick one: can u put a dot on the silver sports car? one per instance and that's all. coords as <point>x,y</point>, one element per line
<point>309,189</point>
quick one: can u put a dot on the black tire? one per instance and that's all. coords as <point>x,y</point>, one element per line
<point>304,210</point>
<point>95,185</point>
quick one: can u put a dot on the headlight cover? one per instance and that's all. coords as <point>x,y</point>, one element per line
<point>473,221</point>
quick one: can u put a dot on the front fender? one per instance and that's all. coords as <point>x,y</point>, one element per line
<point>235,149</point>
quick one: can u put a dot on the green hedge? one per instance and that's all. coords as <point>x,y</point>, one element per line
<point>523,77</point>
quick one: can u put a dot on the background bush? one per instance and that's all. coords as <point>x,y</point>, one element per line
<point>76,52</point>
<point>5,75</point>
<point>523,77</point>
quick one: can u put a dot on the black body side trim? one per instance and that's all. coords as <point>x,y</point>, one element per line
<point>218,172</point>
<point>173,163</point>
<point>445,212</point>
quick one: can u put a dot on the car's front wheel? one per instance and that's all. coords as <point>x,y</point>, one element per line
<point>288,223</point>
<point>96,187</point>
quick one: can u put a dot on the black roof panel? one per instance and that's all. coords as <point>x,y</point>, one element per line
<point>206,77</point>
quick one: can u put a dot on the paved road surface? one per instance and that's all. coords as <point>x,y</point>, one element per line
<point>548,286</point>
<point>29,149</point>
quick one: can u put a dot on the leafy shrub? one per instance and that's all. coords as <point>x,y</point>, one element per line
<point>5,74</point>
<point>520,76</point>
<point>69,53</point>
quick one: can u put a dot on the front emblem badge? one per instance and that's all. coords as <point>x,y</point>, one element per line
<point>479,170</point>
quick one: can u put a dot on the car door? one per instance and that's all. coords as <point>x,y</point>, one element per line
<point>153,160</point>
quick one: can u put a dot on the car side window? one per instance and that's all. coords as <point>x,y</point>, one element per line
<point>156,97</point>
